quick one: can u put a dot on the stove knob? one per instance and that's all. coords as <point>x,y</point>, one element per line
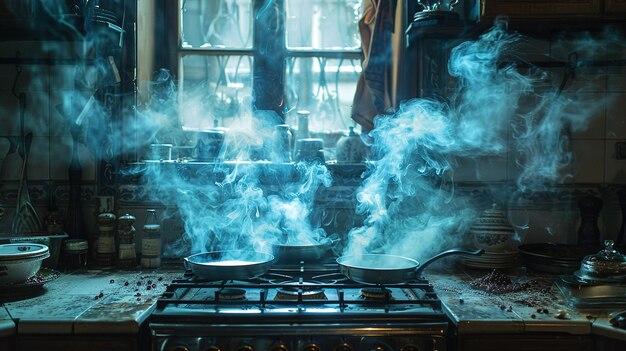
<point>180,348</point>
<point>245,348</point>
<point>343,347</point>
<point>410,347</point>
<point>311,347</point>
<point>213,348</point>
<point>279,347</point>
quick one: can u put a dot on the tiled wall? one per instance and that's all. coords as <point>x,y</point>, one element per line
<point>45,86</point>
<point>541,218</point>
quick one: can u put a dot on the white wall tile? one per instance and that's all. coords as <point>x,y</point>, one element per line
<point>61,151</point>
<point>32,78</point>
<point>616,116</point>
<point>615,171</point>
<point>588,116</point>
<point>546,226</point>
<point>588,162</point>
<point>36,116</point>
<point>483,169</point>
<point>39,159</point>
<point>616,79</point>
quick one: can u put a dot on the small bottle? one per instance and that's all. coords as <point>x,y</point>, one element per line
<point>54,221</point>
<point>303,124</point>
<point>126,256</point>
<point>151,241</point>
<point>281,146</point>
<point>105,252</point>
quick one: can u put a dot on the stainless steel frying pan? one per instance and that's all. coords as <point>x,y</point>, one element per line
<point>229,265</point>
<point>389,269</point>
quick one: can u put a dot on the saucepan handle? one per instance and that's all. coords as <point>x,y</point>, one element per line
<point>418,271</point>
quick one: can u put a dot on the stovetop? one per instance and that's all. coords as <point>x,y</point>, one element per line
<point>316,293</point>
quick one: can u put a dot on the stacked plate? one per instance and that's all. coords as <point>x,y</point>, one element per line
<point>554,258</point>
<point>492,259</point>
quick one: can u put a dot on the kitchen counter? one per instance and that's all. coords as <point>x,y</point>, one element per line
<point>537,309</point>
<point>87,303</point>
<point>103,302</point>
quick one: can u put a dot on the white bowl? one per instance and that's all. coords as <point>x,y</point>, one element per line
<point>20,261</point>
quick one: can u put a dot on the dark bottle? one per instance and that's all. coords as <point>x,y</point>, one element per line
<point>588,232</point>
<point>74,222</point>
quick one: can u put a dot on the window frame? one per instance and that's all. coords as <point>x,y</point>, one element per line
<point>269,80</point>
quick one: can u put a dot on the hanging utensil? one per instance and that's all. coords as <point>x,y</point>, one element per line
<point>26,219</point>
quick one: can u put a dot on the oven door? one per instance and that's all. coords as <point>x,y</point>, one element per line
<point>299,337</point>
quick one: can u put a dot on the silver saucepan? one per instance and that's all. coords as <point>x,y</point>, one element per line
<point>229,265</point>
<point>302,252</point>
<point>389,269</point>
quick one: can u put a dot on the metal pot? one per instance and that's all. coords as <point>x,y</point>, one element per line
<point>301,252</point>
<point>229,265</point>
<point>389,269</point>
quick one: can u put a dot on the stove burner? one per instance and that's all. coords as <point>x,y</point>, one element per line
<point>308,290</point>
<point>232,294</point>
<point>376,293</point>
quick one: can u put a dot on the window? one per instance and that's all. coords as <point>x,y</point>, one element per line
<point>283,55</point>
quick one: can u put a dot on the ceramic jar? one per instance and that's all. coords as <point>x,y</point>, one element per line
<point>351,148</point>
<point>492,231</point>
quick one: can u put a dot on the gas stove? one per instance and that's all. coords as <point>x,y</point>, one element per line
<point>297,307</point>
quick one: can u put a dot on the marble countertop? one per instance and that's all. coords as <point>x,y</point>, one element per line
<point>541,308</point>
<point>118,302</point>
<point>87,302</point>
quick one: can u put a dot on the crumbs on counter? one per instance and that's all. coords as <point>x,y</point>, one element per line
<point>496,282</point>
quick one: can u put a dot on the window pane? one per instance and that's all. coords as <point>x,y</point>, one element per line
<point>215,89</point>
<point>323,86</point>
<point>217,23</point>
<point>323,24</point>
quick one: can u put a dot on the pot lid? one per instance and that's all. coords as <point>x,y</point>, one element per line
<point>21,250</point>
<point>608,263</point>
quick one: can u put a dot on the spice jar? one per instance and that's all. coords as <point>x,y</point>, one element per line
<point>126,256</point>
<point>105,252</point>
<point>75,253</point>
<point>151,241</point>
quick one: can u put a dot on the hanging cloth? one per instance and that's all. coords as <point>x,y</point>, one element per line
<point>373,92</point>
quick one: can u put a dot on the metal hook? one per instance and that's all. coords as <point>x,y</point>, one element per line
<point>18,69</point>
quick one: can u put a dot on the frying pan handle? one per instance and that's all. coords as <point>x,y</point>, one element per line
<point>418,271</point>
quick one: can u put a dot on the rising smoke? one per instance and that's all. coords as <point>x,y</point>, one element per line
<point>408,197</point>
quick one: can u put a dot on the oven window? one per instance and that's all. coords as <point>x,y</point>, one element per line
<point>237,56</point>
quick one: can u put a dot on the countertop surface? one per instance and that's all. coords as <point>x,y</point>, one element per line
<point>86,302</point>
<point>538,308</point>
<point>118,302</point>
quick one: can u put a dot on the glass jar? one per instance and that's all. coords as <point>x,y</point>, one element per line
<point>105,251</point>
<point>75,252</point>
<point>126,256</point>
<point>151,241</point>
